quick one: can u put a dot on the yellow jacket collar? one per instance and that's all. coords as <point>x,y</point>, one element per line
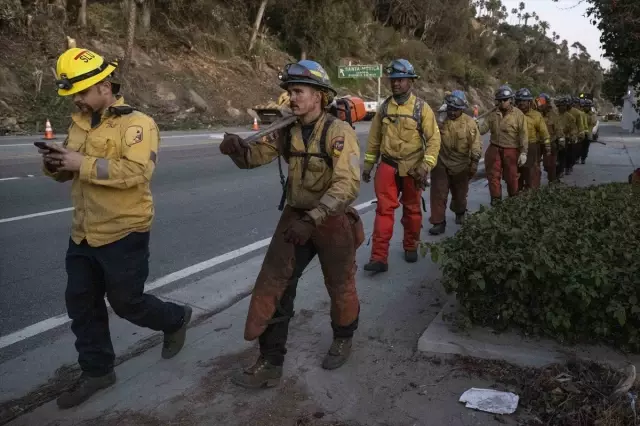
<point>83,120</point>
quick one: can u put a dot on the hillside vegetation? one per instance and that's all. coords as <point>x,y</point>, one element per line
<point>192,63</point>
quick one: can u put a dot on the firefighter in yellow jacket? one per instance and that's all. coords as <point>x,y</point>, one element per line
<point>460,153</point>
<point>556,131</point>
<point>575,151</point>
<point>509,144</point>
<point>591,121</point>
<point>571,133</point>
<point>110,155</point>
<point>538,138</point>
<point>323,155</point>
<point>404,136</point>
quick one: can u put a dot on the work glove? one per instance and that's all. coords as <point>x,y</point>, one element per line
<point>473,169</point>
<point>547,149</point>
<point>420,174</point>
<point>300,231</point>
<point>366,176</point>
<point>233,144</point>
<point>561,143</point>
<point>522,160</point>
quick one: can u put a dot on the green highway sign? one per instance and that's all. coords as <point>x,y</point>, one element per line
<point>360,71</point>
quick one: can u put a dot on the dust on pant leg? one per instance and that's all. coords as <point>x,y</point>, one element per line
<point>493,164</point>
<point>274,277</point>
<point>438,194</point>
<point>337,254</point>
<point>273,340</point>
<point>459,191</point>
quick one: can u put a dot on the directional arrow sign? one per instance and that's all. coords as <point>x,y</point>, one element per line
<point>360,71</point>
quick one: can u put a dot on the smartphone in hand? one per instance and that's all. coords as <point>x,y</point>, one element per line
<point>42,145</point>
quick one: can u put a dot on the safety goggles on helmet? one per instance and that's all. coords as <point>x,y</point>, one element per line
<point>454,103</point>
<point>503,94</point>
<point>65,83</point>
<point>397,67</point>
<point>296,71</point>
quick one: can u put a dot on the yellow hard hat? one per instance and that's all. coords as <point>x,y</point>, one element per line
<point>78,69</point>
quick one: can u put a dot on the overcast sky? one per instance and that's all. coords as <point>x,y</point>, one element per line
<point>568,19</point>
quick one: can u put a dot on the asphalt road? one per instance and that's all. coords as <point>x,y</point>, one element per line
<point>205,207</point>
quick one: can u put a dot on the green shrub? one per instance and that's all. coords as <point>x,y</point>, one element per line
<point>562,262</point>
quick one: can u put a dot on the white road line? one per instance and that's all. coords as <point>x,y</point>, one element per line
<point>53,322</point>
<point>9,178</point>
<point>29,216</point>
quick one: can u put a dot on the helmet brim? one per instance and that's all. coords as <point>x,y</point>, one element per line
<point>85,84</point>
<point>286,84</point>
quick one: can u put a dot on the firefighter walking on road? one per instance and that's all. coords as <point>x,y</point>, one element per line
<point>110,155</point>
<point>591,121</point>
<point>323,155</point>
<point>539,141</point>
<point>575,151</point>
<point>405,137</point>
<point>570,130</point>
<point>552,120</point>
<point>508,146</point>
<point>460,153</point>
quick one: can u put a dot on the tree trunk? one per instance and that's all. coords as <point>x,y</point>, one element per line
<point>147,8</point>
<point>256,24</point>
<point>131,32</point>
<point>82,14</point>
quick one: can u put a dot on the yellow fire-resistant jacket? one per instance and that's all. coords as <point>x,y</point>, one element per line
<point>508,130</point>
<point>397,136</point>
<point>537,128</point>
<point>552,120</point>
<point>581,122</point>
<point>110,194</point>
<point>461,144</point>
<point>324,190</point>
<point>592,119</point>
<point>569,126</point>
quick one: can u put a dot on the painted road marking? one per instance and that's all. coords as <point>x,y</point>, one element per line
<point>29,216</point>
<point>53,322</point>
<point>199,135</point>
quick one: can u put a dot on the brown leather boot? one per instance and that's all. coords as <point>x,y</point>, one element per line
<point>84,388</point>
<point>262,374</point>
<point>338,354</point>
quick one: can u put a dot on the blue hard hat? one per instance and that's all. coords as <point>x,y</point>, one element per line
<point>503,92</point>
<point>455,102</point>
<point>459,94</point>
<point>400,68</point>
<point>524,94</point>
<point>306,72</point>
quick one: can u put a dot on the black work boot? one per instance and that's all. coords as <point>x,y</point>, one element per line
<point>262,374</point>
<point>584,160</point>
<point>411,256</point>
<point>173,342</point>
<point>495,201</point>
<point>338,354</point>
<point>84,388</point>
<point>438,228</point>
<point>376,266</point>
<point>460,218</point>
<point>569,171</point>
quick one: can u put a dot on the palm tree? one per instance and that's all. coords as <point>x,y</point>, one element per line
<point>544,25</point>
<point>521,6</point>
<point>526,18</point>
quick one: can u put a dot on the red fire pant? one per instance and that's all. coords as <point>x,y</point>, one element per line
<point>387,189</point>
<point>530,173</point>
<point>443,181</point>
<point>501,163</point>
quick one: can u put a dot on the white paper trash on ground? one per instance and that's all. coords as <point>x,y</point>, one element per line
<point>491,401</point>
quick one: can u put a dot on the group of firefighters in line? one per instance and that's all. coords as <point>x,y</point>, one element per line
<point>111,152</point>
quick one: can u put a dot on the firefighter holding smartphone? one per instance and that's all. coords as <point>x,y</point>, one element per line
<point>109,154</point>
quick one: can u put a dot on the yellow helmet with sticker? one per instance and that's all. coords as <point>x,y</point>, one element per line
<point>78,69</point>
